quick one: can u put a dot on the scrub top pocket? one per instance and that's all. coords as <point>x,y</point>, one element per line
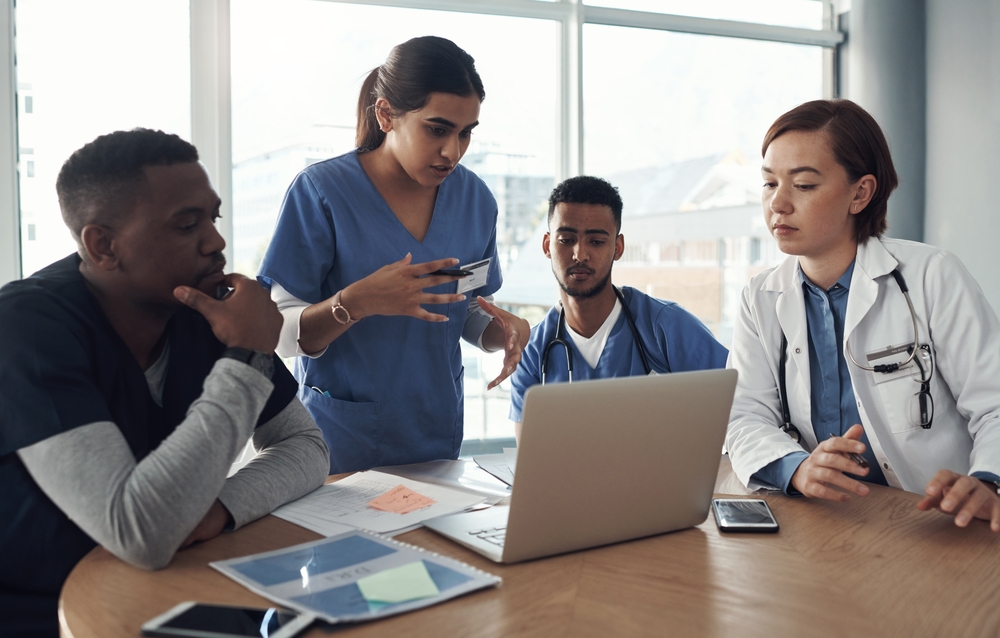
<point>350,428</point>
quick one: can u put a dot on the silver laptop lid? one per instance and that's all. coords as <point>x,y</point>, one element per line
<point>615,459</point>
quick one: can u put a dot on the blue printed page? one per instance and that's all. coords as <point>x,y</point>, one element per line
<point>322,577</point>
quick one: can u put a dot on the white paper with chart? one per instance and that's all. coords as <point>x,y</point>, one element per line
<point>339,507</point>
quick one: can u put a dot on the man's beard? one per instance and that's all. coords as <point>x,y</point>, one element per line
<point>593,291</point>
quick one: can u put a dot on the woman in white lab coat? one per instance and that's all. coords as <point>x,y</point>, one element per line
<point>928,419</point>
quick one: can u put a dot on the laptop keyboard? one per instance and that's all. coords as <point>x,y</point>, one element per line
<point>495,535</point>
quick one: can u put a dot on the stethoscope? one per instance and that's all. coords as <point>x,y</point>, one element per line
<point>559,340</point>
<point>886,368</point>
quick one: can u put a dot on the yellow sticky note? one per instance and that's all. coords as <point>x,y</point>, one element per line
<point>401,500</point>
<point>399,584</point>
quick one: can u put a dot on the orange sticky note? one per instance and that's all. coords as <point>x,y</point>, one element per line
<point>401,500</point>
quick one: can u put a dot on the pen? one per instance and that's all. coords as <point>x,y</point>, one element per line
<point>857,458</point>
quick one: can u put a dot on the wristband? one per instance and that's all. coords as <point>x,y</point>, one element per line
<point>262,363</point>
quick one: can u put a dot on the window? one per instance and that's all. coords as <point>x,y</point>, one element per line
<point>97,67</point>
<point>295,100</point>
<point>677,126</point>
<point>804,14</point>
<point>672,117</point>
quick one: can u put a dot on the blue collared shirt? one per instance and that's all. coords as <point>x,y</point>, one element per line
<point>834,407</point>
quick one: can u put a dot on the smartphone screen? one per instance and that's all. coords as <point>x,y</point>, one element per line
<point>218,620</point>
<point>744,514</point>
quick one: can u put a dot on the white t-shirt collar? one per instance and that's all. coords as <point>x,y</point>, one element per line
<point>591,348</point>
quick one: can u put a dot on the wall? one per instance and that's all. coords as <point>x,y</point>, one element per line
<point>884,58</point>
<point>963,135</point>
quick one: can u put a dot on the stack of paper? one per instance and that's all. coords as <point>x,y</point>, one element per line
<point>503,466</point>
<point>374,501</point>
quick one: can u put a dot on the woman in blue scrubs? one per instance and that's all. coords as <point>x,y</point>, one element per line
<point>352,259</point>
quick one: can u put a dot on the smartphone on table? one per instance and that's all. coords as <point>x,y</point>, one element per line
<point>743,515</point>
<point>197,620</point>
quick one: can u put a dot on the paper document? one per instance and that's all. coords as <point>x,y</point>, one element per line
<point>344,505</point>
<point>462,475</point>
<point>401,500</point>
<point>510,455</point>
<point>496,465</point>
<point>355,576</point>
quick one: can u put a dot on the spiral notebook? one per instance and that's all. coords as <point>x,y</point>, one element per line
<point>354,577</point>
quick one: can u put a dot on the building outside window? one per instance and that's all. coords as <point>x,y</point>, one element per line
<point>94,67</point>
<point>672,117</point>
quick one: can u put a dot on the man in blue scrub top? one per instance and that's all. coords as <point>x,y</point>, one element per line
<point>121,408</point>
<point>583,242</point>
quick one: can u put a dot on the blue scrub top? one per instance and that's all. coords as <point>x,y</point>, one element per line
<point>394,383</point>
<point>669,333</point>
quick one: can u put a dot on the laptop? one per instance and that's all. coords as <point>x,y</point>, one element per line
<point>605,461</point>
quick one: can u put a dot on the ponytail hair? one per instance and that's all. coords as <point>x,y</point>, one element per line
<point>368,135</point>
<point>414,70</point>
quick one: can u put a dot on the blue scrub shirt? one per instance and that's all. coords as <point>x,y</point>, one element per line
<point>394,383</point>
<point>668,332</point>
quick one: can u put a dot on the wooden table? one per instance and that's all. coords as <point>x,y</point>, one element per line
<point>875,566</point>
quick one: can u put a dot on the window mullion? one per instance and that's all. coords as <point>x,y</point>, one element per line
<point>211,103</point>
<point>10,223</point>
<point>571,92</point>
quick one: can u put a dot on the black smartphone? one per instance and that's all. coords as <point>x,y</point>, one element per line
<point>452,272</point>
<point>743,515</point>
<point>198,620</point>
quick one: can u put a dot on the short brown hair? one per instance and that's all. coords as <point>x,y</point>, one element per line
<point>858,145</point>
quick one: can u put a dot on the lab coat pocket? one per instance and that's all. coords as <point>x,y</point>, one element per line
<point>899,399</point>
<point>350,428</point>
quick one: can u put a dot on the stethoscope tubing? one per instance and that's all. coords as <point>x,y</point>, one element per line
<point>559,340</point>
<point>787,426</point>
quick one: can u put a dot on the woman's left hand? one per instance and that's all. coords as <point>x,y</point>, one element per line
<point>514,332</point>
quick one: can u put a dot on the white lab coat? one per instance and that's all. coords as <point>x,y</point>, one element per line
<point>953,316</point>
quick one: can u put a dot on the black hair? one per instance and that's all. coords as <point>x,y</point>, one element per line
<point>585,189</point>
<point>98,183</point>
<point>414,70</point>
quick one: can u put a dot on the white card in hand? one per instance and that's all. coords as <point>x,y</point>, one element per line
<point>480,270</point>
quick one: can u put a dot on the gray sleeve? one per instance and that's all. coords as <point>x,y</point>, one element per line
<point>476,322</point>
<point>143,512</point>
<point>292,460</point>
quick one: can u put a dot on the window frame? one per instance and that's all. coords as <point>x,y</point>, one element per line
<point>10,209</point>
<point>211,113</point>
